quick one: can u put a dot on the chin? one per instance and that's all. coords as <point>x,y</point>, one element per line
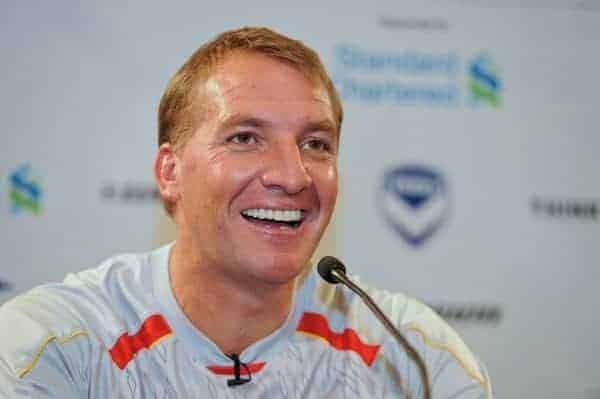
<point>279,271</point>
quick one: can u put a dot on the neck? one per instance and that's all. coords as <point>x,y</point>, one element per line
<point>232,313</point>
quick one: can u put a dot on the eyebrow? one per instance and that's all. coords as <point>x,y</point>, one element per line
<point>244,120</point>
<point>325,125</point>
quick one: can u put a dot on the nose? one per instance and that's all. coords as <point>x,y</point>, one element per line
<point>285,169</point>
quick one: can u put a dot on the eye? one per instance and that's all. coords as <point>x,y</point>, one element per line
<point>243,139</point>
<point>315,144</point>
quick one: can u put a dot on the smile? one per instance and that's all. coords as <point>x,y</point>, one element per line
<point>290,217</point>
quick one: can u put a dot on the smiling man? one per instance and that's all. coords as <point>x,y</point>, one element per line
<point>252,189</point>
<point>249,131</point>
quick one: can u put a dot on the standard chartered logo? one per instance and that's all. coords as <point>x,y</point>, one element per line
<point>415,77</point>
<point>484,82</point>
<point>25,191</point>
<point>397,77</point>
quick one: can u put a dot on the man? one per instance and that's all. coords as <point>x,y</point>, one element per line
<point>249,133</point>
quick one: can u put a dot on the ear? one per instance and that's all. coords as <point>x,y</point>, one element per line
<point>166,173</point>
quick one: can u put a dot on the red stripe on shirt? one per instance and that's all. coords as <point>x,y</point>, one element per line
<point>229,370</point>
<point>316,324</point>
<point>127,346</point>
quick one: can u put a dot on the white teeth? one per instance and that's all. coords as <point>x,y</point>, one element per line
<point>279,215</point>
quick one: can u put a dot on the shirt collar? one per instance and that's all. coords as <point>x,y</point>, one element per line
<point>202,349</point>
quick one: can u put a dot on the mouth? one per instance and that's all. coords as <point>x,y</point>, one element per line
<point>282,218</point>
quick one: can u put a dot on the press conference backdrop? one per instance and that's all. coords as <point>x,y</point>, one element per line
<point>469,161</point>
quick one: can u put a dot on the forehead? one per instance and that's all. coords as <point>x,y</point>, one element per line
<point>251,80</point>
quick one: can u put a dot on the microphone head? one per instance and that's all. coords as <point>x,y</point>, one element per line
<point>328,264</point>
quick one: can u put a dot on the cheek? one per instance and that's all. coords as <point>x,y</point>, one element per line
<point>229,175</point>
<point>199,192</point>
<point>214,182</point>
<point>326,182</point>
<point>196,199</point>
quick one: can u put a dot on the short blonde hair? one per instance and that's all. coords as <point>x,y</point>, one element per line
<point>175,119</point>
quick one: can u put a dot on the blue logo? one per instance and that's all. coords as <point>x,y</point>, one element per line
<point>414,202</point>
<point>407,78</point>
<point>484,82</point>
<point>25,191</point>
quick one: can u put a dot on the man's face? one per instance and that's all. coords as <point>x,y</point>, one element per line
<point>258,178</point>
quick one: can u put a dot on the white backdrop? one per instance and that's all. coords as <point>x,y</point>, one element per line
<point>484,120</point>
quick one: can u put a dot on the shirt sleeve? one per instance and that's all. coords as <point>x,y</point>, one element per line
<point>37,360</point>
<point>454,372</point>
<point>451,380</point>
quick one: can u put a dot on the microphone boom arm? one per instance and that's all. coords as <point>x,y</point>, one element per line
<point>410,351</point>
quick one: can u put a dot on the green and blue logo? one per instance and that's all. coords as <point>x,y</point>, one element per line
<point>484,82</point>
<point>25,192</point>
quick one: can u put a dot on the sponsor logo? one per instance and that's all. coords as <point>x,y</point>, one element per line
<point>407,77</point>
<point>470,313</point>
<point>573,209</point>
<point>129,192</point>
<point>413,23</point>
<point>25,192</point>
<point>414,77</point>
<point>484,82</point>
<point>414,202</point>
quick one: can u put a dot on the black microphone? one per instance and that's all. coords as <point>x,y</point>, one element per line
<point>237,372</point>
<point>329,267</point>
<point>333,271</point>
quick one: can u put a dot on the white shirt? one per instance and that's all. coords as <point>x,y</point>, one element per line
<point>117,332</point>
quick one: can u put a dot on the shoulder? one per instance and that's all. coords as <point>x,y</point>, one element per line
<point>42,348</point>
<point>34,324</point>
<point>69,320</point>
<point>447,354</point>
<point>429,332</point>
